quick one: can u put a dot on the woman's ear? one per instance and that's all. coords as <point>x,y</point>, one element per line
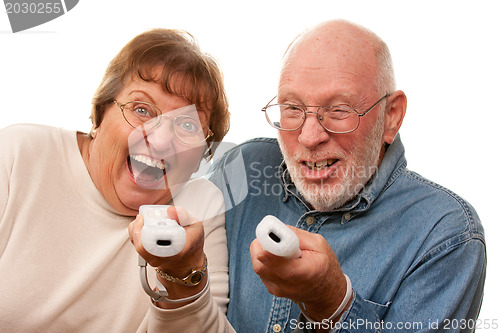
<point>94,131</point>
<point>394,114</point>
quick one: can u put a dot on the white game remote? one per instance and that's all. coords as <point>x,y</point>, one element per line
<point>161,236</point>
<point>277,238</point>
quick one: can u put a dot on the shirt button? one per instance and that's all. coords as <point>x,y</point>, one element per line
<point>310,220</point>
<point>347,216</point>
<point>277,328</point>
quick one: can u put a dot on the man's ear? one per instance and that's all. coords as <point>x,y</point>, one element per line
<point>394,114</point>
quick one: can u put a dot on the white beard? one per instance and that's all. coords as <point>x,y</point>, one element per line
<point>362,165</point>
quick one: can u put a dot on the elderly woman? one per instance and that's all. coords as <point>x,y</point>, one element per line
<point>67,199</point>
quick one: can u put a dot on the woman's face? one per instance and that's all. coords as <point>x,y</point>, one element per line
<point>132,167</point>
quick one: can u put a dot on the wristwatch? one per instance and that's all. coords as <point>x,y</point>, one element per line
<point>193,279</point>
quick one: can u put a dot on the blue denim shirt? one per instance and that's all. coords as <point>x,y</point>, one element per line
<point>414,251</point>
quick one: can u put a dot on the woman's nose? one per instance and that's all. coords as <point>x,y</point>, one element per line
<point>161,137</point>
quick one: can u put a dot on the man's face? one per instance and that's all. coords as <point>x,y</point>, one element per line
<point>330,169</point>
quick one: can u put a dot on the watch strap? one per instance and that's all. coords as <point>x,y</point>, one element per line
<point>161,294</point>
<point>192,279</point>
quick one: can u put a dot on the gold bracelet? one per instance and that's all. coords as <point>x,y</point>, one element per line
<point>193,279</point>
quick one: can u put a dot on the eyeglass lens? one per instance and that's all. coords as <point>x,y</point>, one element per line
<point>291,117</point>
<point>187,128</point>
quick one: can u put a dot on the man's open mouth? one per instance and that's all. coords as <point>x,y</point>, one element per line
<point>320,165</point>
<point>146,170</point>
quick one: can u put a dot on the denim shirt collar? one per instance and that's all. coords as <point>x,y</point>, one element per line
<point>393,163</point>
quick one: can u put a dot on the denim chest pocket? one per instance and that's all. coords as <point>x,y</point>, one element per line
<point>379,309</point>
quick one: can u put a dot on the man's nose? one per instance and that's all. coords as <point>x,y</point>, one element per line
<point>312,133</point>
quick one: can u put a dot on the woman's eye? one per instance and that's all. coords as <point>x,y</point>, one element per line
<point>145,111</point>
<point>142,111</point>
<point>189,126</point>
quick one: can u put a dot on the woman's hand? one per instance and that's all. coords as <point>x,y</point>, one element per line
<point>179,266</point>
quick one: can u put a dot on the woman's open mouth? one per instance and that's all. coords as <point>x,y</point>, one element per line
<point>146,171</point>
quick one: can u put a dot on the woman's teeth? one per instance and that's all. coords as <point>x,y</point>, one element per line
<point>148,161</point>
<point>146,170</point>
<point>320,165</point>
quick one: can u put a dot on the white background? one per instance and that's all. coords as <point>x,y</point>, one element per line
<point>445,53</point>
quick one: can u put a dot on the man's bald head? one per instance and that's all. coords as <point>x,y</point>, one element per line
<point>345,43</point>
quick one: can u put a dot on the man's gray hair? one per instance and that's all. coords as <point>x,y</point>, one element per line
<point>386,81</point>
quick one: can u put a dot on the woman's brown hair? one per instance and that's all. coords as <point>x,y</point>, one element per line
<point>187,72</point>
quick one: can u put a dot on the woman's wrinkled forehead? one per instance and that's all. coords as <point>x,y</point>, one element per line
<point>178,82</point>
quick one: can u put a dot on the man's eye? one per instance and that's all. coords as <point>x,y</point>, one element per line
<point>337,114</point>
<point>291,111</point>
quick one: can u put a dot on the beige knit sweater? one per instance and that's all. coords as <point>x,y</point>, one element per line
<point>66,263</point>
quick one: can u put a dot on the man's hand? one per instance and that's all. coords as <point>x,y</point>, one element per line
<point>315,278</point>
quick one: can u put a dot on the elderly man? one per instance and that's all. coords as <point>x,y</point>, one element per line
<point>383,249</point>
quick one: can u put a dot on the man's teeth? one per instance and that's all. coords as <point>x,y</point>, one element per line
<point>320,165</point>
<point>148,161</point>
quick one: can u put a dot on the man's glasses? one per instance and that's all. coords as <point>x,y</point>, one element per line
<point>187,129</point>
<point>335,119</point>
